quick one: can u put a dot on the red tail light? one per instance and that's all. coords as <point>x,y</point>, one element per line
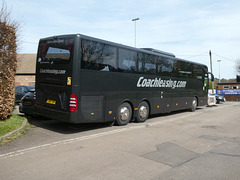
<point>34,97</point>
<point>73,105</point>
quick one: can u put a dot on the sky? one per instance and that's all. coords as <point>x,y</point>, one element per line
<point>187,28</point>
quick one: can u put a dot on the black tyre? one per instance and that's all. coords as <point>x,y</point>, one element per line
<point>193,105</point>
<point>124,114</point>
<point>143,112</point>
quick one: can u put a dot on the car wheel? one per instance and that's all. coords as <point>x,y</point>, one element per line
<point>194,104</point>
<point>124,114</point>
<point>143,112</point>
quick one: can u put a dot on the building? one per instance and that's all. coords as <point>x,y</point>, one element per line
<point>231,91</point>
<point>228,85</point>
<point>26,68</point>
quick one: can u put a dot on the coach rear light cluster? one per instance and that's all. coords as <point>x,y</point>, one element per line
<point>34,97</point>
<point>73,105</point>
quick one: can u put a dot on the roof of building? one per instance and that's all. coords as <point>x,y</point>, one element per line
<point>229,83</point>
<point>26,63</point>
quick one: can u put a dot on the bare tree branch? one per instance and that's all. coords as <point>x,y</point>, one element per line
<point>237,66</point>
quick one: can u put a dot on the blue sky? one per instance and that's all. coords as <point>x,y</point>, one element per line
<point>186,28</point>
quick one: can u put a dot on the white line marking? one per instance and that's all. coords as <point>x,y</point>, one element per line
<point>93,136</point>
<point>68,141</point>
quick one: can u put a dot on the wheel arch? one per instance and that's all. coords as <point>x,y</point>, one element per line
<point>149,104</point>
<point>197,100</point>
<point>131,104</point>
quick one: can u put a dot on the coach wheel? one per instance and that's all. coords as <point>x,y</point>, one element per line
<point>194,104</point>
<point>124,114</point>
<point>143,112</point>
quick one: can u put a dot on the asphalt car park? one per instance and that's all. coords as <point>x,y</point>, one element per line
<point>204,144</point>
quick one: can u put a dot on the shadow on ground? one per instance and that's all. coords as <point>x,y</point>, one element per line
<point>70,128</point>
<point>64,127</point>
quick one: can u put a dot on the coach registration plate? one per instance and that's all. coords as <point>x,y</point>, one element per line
<point>49,101</point>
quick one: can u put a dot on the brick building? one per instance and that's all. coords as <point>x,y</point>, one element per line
<point>25,74</point>
<point>228,85</point>
<point>231,91</point>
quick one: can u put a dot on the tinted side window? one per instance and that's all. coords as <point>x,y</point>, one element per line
<point>127,61</point>
<point>24,89</point>
<point>21,89</point>
<point>184,69</point>
<point>165,66</point>
<point>147,63</point>
<point>98,56</point>
<point>141,62</point>
<point>150,64</point>
<point>198,72</point>
<point>18,89</point>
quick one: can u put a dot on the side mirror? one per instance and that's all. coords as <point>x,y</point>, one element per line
<point>212,76</point>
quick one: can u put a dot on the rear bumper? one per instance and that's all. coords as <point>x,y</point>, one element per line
<point>26,109</point>
<point>53,114</point>
<point>71,117</point>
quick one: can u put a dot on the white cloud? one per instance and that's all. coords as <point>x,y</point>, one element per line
<point>184,27</point>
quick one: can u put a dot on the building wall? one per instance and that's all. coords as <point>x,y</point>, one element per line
<point>24,80</point>
<point>231,97</point>
<point>26,67</point>
<point>231,86</point>
<point>26,63</point>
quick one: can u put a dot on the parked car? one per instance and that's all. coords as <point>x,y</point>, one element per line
<point>220,98</point>
<point>27,103</point>
<point>211,99</point>
<point>20,91</point>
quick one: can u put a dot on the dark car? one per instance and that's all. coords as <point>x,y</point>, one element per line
<point>27,103</point>
<point>220,98</point>
<point>20,91</point>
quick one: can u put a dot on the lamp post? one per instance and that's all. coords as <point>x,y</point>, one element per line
<point>210,54</point>
<point>135,20</point>
<point>219,69</point>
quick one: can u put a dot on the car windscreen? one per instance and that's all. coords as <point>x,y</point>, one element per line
<point>30,88</point>
<point>57,50</point>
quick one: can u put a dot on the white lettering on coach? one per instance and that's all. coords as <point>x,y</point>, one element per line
<point>158,82</point>
<point>52,71</point>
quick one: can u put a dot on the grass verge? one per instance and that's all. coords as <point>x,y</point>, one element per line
<point>10,124</point>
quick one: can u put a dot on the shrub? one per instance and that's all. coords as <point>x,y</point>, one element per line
<point>8,62</point>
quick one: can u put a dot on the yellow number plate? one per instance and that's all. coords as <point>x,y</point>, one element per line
<point>49,101</point>
<point>27,102</point>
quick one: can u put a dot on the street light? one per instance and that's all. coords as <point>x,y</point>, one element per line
<point>219,69</point>
<point>136,19</point>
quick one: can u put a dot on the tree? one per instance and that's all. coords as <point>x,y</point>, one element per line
<point>8,62</point>
<point>238,66</point>
<point>212,85</point>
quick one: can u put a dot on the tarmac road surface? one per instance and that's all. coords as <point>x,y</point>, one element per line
<point>204,144</point>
